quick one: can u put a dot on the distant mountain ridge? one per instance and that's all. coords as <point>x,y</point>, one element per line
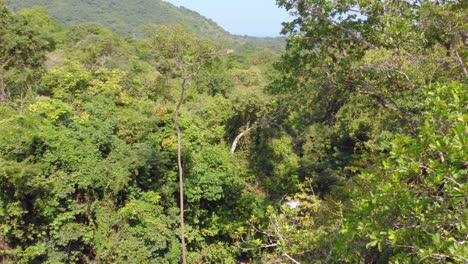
<point>126,17</point>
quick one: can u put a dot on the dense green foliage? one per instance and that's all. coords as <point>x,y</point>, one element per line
<point>376,99</point>
<point>350,148</point>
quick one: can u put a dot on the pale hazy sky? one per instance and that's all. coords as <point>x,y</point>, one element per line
<point>242,17</point>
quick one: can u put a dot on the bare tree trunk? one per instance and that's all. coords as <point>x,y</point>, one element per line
<point>3,94</point>
<point>238,138</point>
<point>181,171</point>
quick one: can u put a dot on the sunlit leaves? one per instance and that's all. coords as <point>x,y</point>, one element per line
<point>419,201</point>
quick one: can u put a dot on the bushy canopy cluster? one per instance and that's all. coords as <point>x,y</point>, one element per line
<point>376,92</point>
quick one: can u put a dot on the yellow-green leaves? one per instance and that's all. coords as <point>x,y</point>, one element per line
<point>54,110</point>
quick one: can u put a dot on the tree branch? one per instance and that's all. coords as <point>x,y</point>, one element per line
<point>3,94</point>
<point>384,101</point>
<point>290,258</point>
<point>238,138</point>
<point>355,35</point>
<point>462,65</point>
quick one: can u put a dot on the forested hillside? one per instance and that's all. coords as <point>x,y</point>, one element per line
<point>129,18</point>
<point>125,17</point>
<point>350,147</point>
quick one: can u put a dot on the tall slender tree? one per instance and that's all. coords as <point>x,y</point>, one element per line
<point>186,55</point>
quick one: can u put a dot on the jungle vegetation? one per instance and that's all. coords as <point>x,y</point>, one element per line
<point>347,146</point>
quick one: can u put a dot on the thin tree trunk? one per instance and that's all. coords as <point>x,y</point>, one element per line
<point>185,82</point>
<point>3,94</point>
<point>181,171</point>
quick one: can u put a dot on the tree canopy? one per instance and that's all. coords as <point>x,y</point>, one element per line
<point>348,147</point>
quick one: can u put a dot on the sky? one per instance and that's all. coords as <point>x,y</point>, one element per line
<point>260,18</point>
